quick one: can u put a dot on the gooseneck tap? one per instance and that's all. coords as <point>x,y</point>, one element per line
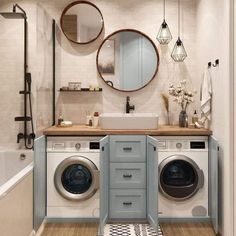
<point>128,106</point>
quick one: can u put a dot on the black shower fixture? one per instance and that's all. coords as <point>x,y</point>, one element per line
<point>28,138</point>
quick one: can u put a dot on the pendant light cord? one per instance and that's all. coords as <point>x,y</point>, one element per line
<point>178,18</point>
<point>164,9</point>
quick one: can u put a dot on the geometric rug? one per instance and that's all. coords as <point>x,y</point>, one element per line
<point>131,230</point>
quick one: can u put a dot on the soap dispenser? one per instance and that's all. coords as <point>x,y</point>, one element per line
<point>195,118</point>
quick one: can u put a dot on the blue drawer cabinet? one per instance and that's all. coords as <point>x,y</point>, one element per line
<point>127,171</point>
<point>128,179</point>
<point>128,175</point>
<point>127,148</point>
<point>125,203</point>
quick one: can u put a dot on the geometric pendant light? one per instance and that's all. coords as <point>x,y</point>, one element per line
<point>164,35</point>
<point>179,53</point>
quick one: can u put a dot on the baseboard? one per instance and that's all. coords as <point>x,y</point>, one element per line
<point>41,228</point>
<point>71,220</point>
<point>184,220</point>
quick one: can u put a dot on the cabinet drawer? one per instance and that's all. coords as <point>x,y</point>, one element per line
<point>128,203</point>
<point>128,148</point>
<point>127,175</point>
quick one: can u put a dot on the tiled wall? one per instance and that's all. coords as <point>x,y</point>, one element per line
<point>78,63</point>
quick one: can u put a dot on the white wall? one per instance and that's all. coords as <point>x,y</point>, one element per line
<point>77,63</point>
<point>213,43</point>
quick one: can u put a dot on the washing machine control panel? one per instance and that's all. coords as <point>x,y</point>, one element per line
<point>183,144</point>
<point>73,144</point>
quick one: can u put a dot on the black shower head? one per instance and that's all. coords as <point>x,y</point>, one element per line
<point>12,15</point>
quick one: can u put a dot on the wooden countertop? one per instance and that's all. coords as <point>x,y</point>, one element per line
<point>83,130</point>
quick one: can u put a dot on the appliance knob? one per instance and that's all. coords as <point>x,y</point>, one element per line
<point>179,145</point>
<point>77,146</point>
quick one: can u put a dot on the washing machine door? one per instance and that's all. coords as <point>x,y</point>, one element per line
<point>180,177</point>
<point>76,178</point>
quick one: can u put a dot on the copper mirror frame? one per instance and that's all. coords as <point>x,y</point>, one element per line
<point>110,83</point>
<point>76,3</point>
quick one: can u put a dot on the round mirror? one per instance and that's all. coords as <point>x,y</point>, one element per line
<point>127,60</point>
<point>82,22</point>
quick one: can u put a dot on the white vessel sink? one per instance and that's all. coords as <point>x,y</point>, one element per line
<point>129,121</point>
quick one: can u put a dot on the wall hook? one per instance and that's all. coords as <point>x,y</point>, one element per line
<point>209,64</point>
<point>217,62</point>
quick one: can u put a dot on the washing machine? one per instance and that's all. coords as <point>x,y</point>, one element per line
<point>183,176</point>
<point>73,177</point>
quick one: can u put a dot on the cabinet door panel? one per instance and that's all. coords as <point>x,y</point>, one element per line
<point>152,182</point>
<point>39,181</point>
<point>104,183</point>
<point>213,182</point>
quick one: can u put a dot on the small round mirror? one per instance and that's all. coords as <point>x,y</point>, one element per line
<point>127,60</point>
<point>82,22</point>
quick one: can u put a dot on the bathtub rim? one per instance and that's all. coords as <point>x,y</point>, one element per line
<point>7,187</point>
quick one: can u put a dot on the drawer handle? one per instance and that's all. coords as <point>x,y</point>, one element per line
<point>127,203</point>
<point>127,176</point>
<point>127,149</point>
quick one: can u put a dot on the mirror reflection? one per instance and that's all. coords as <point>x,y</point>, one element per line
<point>82,22</point>
<point>127,60</point>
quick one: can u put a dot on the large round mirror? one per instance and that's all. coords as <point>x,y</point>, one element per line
<point>127,60</point>
<point>82,22</point>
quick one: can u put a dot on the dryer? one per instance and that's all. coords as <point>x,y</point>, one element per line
<point>73,177</point>
<point>183,176</point>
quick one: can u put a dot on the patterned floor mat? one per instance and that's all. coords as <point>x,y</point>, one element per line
<point>131,230</point>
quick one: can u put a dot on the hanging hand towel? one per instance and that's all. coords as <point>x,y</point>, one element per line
<point>205,96</point>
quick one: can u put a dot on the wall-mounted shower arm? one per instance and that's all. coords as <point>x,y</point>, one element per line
<point>20,8</point>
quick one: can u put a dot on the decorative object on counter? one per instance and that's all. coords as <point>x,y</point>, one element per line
<point>164,35</point>
<point>95,119</point>
<point>183,119</point>
<point>195,119</point>
<point>60,119</point>
<point>77,24</point>
<point>183,98</point>
<point>205,97</point>
<point>137,54</point>
<point>66,123</point>
<point>179,54</point>
<point>166,104</point>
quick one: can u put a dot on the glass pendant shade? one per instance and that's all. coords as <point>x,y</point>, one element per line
<point>179,54</point>
<point>164,35</point>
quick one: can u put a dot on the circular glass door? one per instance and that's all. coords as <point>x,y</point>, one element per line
<point>179,177</point>
<point>76,178</point>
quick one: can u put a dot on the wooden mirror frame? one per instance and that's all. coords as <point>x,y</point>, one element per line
<point>76,3</point>
<point>135,31</point>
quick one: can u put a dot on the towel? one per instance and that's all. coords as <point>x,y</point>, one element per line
<point>206,96</point>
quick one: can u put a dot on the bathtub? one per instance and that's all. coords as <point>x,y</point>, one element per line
<point>16,192</point>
